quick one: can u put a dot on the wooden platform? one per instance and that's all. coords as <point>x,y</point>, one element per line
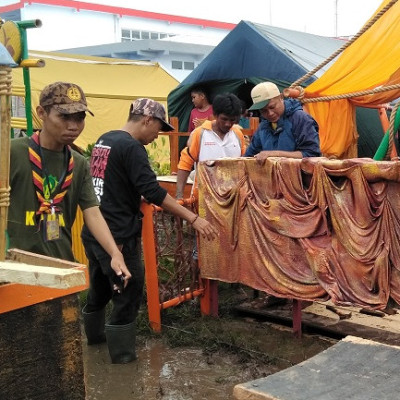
<point>316,317</point>
<point>354,368</point>
<point>169,183</point>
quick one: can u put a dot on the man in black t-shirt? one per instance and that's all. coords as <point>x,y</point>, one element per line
<point>121,176</point>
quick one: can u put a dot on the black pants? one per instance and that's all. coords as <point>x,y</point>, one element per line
<point>125,304</point>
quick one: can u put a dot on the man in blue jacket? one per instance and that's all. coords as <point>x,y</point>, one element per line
<point>286,130</point>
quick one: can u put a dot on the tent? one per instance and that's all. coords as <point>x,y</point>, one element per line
<point>252,53</point>
<point>109,84</point>
<point>369,63</point>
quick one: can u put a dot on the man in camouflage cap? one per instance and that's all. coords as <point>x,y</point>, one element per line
<point>121,176</point>
<point>49,180</point>
<point>65,97</point>
<point>153,109</point>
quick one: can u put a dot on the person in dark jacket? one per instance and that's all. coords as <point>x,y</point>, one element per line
<point>121,176</point>
<point>286,130</point>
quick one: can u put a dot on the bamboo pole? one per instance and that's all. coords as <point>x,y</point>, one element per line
<point>5,127</point>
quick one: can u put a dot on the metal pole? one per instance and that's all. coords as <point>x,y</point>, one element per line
<point>336,18</point>
<point>23,26</point>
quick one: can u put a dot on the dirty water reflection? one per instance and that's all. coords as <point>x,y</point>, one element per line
<point>160,373</point>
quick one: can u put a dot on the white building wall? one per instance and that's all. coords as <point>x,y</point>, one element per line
<point>66,27</point>
<point>166,61</point>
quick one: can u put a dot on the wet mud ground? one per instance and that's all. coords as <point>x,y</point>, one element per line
<point>197,358</point>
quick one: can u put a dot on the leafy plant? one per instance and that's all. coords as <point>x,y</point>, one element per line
<point>88,151</point>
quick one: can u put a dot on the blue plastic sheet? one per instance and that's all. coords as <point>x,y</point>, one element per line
<point>5,57</point>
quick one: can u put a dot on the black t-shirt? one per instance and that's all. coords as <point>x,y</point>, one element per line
<point>121,174</point>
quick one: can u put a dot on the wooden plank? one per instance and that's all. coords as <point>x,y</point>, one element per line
<point>37,275</point>
<point>169,183</point>
<point>318,323</point>
<point>5,129</point>
<point>353,368</point>
<point>14,296</point>
<point>39,259</point>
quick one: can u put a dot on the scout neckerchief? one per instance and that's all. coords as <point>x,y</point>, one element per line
<point>49,197</point>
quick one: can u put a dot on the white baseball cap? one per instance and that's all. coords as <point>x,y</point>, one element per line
<point>262,93</point>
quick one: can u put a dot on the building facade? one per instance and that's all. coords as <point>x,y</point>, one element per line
<point>178,43</point>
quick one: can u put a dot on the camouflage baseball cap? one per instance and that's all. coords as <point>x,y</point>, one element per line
<point>151,108</point>
<point>65,97</point>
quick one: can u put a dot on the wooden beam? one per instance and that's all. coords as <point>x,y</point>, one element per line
<point>5,132</point>
<point>38,275</point>
<point>39,259</point>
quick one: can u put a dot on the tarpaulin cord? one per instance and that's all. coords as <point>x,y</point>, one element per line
<point>347,44</point>
<point>5,197</point>
<point>346,95</point>
<point>392,130</point>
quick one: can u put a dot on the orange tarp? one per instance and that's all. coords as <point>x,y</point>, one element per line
<point>307,229</point>
<point>370,62</point>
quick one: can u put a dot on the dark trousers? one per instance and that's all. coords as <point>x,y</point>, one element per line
<point>125,304</point>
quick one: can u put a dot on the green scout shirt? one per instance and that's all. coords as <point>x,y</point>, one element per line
<point>22,228</point>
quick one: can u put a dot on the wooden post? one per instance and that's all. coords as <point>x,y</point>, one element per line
<point>254,122</point>
<point>297,318</point>
<point>209,302</point>
<point>150,261</point>
<point>5,131</point>
<point>174,145</point>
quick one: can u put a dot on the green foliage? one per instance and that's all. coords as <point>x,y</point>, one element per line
<point>88,151</point>
<point>159,169</point>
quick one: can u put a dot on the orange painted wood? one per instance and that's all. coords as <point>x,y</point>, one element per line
<point>14,296</point>
<point>170,186</point>
<point>151,273</point>
<point>209,302</point>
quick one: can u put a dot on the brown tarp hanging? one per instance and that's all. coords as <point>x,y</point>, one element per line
<point>311,229</point>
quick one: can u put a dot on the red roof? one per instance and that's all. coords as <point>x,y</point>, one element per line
<point>121,11</point>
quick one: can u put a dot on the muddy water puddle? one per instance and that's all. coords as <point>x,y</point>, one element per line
<point>161,373</point>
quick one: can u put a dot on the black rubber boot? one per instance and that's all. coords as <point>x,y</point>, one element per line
<point>93,323</point>
<point>121,341</point>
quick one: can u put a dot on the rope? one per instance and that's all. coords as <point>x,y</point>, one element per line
<point>5,82</point>
<point>352,94</point>
<point>347,44</point>
<point>391,131</point>
<point>5,197</point>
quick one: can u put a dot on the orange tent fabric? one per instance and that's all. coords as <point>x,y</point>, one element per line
<point>370,62</point>
<point>310,229</point>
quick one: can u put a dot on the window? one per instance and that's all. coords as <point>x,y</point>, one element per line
<point>125,35</point>
<point>135,35</point>
<point>177,64</point>
<point>186,65</point>
<point>129,35</point>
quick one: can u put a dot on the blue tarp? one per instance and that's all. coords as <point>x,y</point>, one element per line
<point>5,57</point>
